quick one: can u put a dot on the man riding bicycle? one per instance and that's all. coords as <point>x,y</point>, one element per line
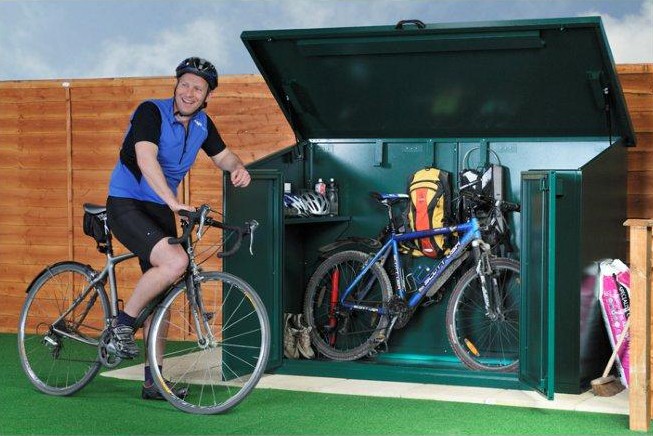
<point>161,145</point>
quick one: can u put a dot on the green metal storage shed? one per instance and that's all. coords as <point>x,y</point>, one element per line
<point>371,105</point>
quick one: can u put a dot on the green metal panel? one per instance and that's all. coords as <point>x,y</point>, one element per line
<point>575,201</point>
<point>261,201</point>
<point>565,266</point>
<point>521,79</point>
<point>537,327</point>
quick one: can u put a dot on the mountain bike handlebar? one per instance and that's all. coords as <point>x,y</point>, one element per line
<point>505,206</point>
<point>200,218</point>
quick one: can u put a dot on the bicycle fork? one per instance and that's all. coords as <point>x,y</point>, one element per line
<point>201,318</point>
<point>489,288</point>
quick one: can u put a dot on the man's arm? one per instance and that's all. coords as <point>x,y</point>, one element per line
<point>146,157</point>
<point>226,160</point>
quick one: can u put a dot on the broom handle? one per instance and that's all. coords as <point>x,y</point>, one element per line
<point>616,348</point>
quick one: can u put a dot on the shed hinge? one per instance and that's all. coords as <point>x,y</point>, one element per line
<point>378,153</point>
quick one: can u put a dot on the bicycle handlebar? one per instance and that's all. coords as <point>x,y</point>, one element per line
<point>200,217</point>
<point>505,206</point>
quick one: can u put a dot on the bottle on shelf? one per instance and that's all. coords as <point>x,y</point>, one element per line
<point>332,197</point>
<point>320,187</point>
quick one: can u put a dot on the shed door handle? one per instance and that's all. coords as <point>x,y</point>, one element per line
<point>418,23</point>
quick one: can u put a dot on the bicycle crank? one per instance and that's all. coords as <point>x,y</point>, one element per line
<point>107,352</point>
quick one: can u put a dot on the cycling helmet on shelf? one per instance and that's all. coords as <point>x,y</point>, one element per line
<point>199,67</point>
<point>317,204</point>
<point>294,206</point>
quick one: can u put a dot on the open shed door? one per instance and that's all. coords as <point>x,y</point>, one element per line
<point>261,201</point>
<point>537,328</point>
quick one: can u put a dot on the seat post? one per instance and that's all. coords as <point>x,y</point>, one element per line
<point>391,222</point>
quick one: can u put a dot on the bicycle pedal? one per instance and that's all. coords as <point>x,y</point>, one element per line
<point>435,299</point>
<point>428,302</point>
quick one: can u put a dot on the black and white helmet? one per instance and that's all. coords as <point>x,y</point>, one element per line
<point>199,67</point>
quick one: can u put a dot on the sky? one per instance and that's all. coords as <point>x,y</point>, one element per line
<point>69,39</point>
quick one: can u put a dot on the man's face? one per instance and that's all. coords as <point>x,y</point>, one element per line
<point>190,93</point>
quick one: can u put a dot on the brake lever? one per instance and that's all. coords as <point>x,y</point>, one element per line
<point>252,225</point>
<point>200,229</point>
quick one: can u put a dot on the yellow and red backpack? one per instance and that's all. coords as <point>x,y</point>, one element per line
<point>430,207</point>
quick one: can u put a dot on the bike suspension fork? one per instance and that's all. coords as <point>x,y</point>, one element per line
<point>484,271</point>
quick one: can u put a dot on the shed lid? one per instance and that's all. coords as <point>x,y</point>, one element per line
<point>511,79</point>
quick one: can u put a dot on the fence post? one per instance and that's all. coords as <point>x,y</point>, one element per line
<point>640,321</point>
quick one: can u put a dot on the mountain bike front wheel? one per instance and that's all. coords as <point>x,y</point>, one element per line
<point>213,371</point>
<point>60,357</point>
<point>486,340</point>
<point>337,331</point>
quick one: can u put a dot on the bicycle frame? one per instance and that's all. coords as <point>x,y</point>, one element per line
<point>469,231</point>
<point>107,271</point>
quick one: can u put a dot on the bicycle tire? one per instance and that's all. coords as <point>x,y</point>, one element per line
<point>54,363</point>
<point>480,342</point>
<point>218,375</point>
<point>346,334</point>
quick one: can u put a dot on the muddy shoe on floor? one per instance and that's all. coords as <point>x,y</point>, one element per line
<point>290,349</point>
<point>303,337</point>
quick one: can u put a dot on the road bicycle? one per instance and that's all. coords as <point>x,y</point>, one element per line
<point>355,299</point>
<point>217,326</point>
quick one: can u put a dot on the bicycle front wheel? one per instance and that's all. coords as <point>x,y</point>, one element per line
<point>337,331</point>
<point>487,339</point>
<point>211,371</point>
<point>60,354</point>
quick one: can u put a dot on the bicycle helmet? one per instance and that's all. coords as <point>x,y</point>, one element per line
<point>317,204</point>
<point>295,205</point>
<point>199,67</point>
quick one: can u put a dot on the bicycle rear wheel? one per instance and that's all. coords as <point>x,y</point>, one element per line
<point>486,341</point>
<point>220,372</point>
<point>61,358</point>
<point>338,332</point>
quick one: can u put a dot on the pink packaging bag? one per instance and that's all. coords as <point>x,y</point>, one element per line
<point>614,298</point>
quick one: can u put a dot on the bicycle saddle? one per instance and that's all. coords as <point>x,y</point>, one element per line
<point>94,209</point>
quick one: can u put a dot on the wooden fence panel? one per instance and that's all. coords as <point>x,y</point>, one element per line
<point>33,188</point>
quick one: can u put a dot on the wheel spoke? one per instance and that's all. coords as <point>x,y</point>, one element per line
<point>339,332</point>
<point>218,373</point>
<point>482,339</point>
<point>61,360</point>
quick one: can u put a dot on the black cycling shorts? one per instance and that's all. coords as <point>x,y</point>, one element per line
<point>140,225</point>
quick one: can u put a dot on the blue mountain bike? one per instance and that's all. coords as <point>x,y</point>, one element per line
<point>354,299</point>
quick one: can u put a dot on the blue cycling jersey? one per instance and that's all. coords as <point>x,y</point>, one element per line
<point>177,152</point>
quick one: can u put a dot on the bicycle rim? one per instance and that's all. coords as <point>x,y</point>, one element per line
<point>482,341</point>
<point>338,332</point>
<point>219,374</point>
<point>61,363</point>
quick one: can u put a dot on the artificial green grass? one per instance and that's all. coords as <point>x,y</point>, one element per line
<point>111,406</point>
